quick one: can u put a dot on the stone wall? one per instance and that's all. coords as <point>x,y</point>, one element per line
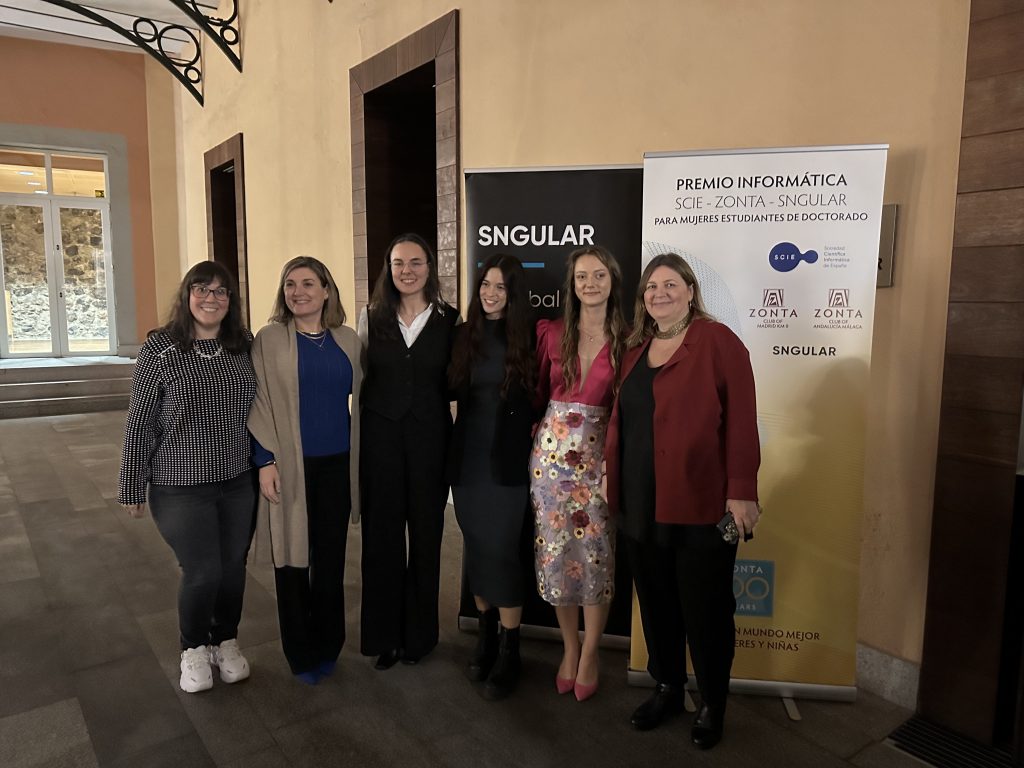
<point>24,263</point>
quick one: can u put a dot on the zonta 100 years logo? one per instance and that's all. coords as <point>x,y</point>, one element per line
<point>753,585</point>
<point>773,312</point>
<point>837,312</point>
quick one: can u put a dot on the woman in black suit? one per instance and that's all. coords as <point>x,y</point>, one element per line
<point>493,372</point>
<point>406,419</point>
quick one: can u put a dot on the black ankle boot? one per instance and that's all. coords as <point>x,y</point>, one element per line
<point>505,673</point>
<point>486,650</point>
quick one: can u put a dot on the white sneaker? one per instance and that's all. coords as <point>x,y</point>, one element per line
<point>233,665</point>
<point>196,674</point>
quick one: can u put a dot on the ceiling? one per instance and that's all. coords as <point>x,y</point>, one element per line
<point>40,20</point>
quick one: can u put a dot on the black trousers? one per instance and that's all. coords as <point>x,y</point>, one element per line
<point>685,595</point>
<point>209,526</point>
<point>402,479</point>
<point>311,601</point>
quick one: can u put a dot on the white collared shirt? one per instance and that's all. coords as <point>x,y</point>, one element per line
<point>409,332</point>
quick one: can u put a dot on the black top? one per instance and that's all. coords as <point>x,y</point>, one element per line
<point>402,380</point>
<point>186,417</point>
<point>492,438</point>
<point>637,489</point>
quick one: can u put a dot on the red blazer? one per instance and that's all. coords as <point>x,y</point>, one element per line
<point>706,447</point>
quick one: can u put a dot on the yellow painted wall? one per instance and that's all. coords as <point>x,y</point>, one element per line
<point>602,81</point>
<point>161,104</point>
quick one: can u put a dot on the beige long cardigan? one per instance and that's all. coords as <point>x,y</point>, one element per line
<point>274,421</point>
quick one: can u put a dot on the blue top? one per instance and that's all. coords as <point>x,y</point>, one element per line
<point>325,384</point>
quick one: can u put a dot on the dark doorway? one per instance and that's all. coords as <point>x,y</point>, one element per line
<point>400,150</point>
<point>225,213</point>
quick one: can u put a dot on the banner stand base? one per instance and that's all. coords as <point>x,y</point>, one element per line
<point>617,642</point>
<point>782,689</point>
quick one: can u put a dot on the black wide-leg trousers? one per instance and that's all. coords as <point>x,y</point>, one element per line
<point>685,595</point>
<point>404,495</point>
<point>311,601</point>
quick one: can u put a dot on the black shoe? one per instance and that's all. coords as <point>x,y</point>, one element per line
<point>505,673</point>
<point>388,659</point>
<point>707,728</point>
<point>666,701</point>
<point>486,651</point>
<point>409,660</point>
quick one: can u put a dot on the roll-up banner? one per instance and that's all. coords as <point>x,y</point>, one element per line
<point>784,244</point>
<point>541,215</point>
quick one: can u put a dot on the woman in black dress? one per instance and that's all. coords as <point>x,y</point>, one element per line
<point>493,372</point>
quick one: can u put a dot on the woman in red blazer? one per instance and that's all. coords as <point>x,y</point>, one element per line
<point>682,452</point>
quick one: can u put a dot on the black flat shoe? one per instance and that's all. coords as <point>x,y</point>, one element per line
<point>388,659</point>
<point>410,660</point>
<point>665,702</point>
<point>707,728</point>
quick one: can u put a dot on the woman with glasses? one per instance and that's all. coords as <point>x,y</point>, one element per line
<point>406,420</point>
<point>306,445</point>
<point>493,371</point>
<point>185,439</point>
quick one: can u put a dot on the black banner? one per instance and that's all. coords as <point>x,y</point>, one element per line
<point>542,216</point>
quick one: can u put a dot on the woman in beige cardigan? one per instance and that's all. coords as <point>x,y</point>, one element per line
<point>306,445</point>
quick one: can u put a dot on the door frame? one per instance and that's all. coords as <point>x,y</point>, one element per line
<point>438,42</point>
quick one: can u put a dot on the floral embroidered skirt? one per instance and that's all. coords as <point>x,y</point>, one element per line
<point>574,544</point>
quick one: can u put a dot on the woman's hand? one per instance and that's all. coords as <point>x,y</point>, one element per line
<point>745,513</point>
<point>134,510</point>
<point>270,483</point>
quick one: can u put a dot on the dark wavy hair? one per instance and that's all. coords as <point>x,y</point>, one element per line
<point>383,308</point>
<point>643,323</point>
<point>181,325</point>
<point>333,313</point>
<point>614,321</point>
<point>520,355</point>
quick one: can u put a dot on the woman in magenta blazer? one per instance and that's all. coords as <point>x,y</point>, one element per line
<point>682,452</point>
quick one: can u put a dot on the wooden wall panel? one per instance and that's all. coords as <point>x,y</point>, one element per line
<point>994,273</point>
<point>995,46</point>
<point>992,161</point>
<point>989,218</point>
<point>994,104</point>
<point>979,426</point>
<point>983,383</point>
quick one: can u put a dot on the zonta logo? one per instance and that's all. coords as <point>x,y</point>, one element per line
<point>773,312</point>
<point>536,234</point>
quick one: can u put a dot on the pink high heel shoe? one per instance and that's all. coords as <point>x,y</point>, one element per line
<point>584,691</point>
<point>564,684</point>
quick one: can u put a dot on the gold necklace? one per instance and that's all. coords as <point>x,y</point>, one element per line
<point>590,337</point>
<point>319,338</point>
<point>675,330</point>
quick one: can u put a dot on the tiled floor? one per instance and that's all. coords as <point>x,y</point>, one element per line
<point>88,661</point>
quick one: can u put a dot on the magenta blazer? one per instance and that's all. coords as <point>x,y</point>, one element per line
<point>706,447</point>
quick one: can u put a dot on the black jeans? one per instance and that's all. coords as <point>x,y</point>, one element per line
<point>685,596</point>
<point>311,601</point>
<point>209,526</point>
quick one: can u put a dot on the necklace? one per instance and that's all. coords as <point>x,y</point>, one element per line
<point>204,355</point>
<point>318,339</point>
<point>675,330</point>
<point>590,337</point>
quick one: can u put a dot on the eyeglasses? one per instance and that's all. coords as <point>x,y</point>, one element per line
<point>200,291</point>
<point>416,264</point>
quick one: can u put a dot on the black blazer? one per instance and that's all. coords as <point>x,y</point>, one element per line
<point>400,380</point>
<point>513,434</point>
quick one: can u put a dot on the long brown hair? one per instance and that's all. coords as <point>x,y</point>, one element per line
<point>383,308</point>
<point>181,325</point>
<point>614,321</point>
<point>333,313</point>
<point>643,323</point>
<point>520,356</point>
